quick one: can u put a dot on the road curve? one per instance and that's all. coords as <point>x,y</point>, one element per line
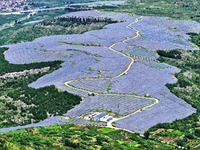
<point>109,124</point>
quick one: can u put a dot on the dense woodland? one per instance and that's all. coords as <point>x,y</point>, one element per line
<point>195,38</point>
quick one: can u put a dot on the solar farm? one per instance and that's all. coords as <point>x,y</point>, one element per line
<point>122,105</point>
<point>123,74</point>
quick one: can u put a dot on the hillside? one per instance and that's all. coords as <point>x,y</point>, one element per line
<point>177,9</point>
<point>103,80</point>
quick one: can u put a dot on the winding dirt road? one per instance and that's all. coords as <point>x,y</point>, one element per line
<point>109,124</point>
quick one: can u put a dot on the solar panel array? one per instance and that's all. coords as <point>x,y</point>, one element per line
<point>79,121</point>
<point>146,76</point>
<point>47,122</point>
<point>122,105</point>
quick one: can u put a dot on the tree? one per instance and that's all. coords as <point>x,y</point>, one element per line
<point>197,132</point>
<point>146,135</point>
<point>99,140</point>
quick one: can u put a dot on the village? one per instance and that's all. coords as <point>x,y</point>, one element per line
<point>13,5</point>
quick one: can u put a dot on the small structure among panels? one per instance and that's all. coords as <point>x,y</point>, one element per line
<point>98,117</point>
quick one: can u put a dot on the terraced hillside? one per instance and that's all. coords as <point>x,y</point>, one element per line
<point>118,64</point>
